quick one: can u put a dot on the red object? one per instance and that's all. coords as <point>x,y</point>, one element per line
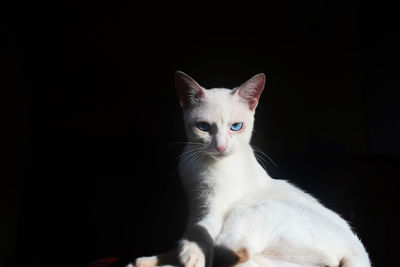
<point>106,262</point>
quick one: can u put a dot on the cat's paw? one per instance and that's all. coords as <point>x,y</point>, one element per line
<point>146,261</point>
<point>190,255</point>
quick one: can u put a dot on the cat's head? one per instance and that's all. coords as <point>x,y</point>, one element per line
<point>218,121</point>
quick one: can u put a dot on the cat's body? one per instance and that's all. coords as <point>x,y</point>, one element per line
<point>273,220</point>
<point>264,221</point>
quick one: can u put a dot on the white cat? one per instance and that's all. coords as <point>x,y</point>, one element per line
<point>238,214</point>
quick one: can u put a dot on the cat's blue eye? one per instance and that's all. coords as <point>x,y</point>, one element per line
<point>204,126</point>
<point>236,126</point>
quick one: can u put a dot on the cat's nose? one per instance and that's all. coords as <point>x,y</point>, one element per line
<point>221,148</point>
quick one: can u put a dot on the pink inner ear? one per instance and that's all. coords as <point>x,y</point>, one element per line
<point>251,99</point>
<point>252,89</point>
<point>189,90</point>
<point>253,103</point>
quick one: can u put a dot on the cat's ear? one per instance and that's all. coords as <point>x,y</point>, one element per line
<point>189,91</point>
<point>251,90</point>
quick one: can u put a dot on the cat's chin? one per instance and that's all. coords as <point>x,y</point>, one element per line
<point>218,156</point>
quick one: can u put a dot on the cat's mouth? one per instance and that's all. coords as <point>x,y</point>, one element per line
<point>219,155</point>
<point>198,152</point>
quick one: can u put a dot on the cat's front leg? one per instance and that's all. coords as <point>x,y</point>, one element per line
<point>196,248</point>
<point>187,254</point>
<point>145,262</point>
<point>191,255</point>
<point>165,259</point>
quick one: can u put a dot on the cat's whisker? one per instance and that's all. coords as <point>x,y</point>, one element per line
<point>197,156</point>
<point>204,155</point>
<point>182,145</point>
<point>184,153</point>
<point>264,162</point>
<point>262,153</point>
<point>186,159</point>
<point>188,151</point>
<point>192,156</point>
<point>261,160</point>
<point>264,158</point>
<point>191,161</point>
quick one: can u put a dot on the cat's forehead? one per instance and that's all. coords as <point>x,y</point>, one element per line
<point>220,104</point>
<point>218,96</point>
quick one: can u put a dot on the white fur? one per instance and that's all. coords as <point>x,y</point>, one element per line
<point>243,207</point>
<point>191,254</point>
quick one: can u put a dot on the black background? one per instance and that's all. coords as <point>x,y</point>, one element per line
<point>92,162</point>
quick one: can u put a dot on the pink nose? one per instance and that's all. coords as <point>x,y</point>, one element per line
<point>221,149</point>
